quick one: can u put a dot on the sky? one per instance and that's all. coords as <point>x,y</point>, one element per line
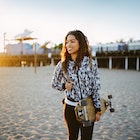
<point>50,20</point>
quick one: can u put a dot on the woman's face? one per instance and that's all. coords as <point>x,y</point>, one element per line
<point>72,45</point>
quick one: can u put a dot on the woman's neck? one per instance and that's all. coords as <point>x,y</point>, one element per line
<point>73,57</point>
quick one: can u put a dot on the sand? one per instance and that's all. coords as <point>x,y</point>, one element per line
<point>31,110</point>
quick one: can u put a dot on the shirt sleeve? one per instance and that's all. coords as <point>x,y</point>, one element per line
<point>96,87</point>
<point>58,79</point>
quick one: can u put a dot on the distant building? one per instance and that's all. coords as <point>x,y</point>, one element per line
<point>135,45</point>
<point>22,48</point>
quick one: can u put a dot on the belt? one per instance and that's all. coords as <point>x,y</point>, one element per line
<point>69,102</point>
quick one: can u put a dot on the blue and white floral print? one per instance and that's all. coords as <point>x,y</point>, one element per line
<point>86,81</point>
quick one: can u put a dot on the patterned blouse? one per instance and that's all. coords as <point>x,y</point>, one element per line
<point>86,81</point>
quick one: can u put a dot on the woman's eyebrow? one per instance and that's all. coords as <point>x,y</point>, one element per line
<point>71,39</point>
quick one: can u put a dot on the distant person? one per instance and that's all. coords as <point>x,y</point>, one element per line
<point>77,75</point>
<point>119,47</point>
<point>125,47</point>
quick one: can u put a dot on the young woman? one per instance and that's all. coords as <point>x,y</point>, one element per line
<point>77,75</point>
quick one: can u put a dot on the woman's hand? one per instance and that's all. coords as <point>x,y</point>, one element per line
<point>69,85</point>
<point>97,117</point>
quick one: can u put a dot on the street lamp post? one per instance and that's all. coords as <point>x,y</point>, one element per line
<point>4,48</point>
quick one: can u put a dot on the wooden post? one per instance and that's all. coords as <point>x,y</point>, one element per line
<point>35,59</point>
<point>126,63</point>
<point>110,62</point>
<point>137,64</point>
<point>41,63</point>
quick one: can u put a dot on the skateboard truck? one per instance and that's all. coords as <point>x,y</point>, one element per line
<point>109,103</point>
<point>83,112</point>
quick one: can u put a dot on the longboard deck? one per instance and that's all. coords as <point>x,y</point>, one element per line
<point>85,111</point>
<point>103,105</point>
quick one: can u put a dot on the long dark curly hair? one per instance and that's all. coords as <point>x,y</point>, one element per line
<point>84,49</point>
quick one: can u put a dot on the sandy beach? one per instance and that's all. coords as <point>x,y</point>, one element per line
<point>31,110</point>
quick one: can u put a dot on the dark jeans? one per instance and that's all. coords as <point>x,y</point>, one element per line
<point>73,125</point>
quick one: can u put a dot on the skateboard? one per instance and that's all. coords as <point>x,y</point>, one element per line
<point>85,111</point>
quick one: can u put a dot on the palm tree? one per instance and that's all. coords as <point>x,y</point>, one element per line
<point>131,40</point>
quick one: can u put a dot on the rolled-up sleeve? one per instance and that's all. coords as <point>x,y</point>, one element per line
<point>58,77</point>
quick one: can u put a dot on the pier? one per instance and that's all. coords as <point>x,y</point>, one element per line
<point>24,60</point>
<point>111,60</point>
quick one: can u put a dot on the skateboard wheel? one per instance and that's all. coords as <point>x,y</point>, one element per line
<point>112,110</point>
<point>109,96</point>
<point>80,113</point>
<point>83,103</point>
<point>86,123</point>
